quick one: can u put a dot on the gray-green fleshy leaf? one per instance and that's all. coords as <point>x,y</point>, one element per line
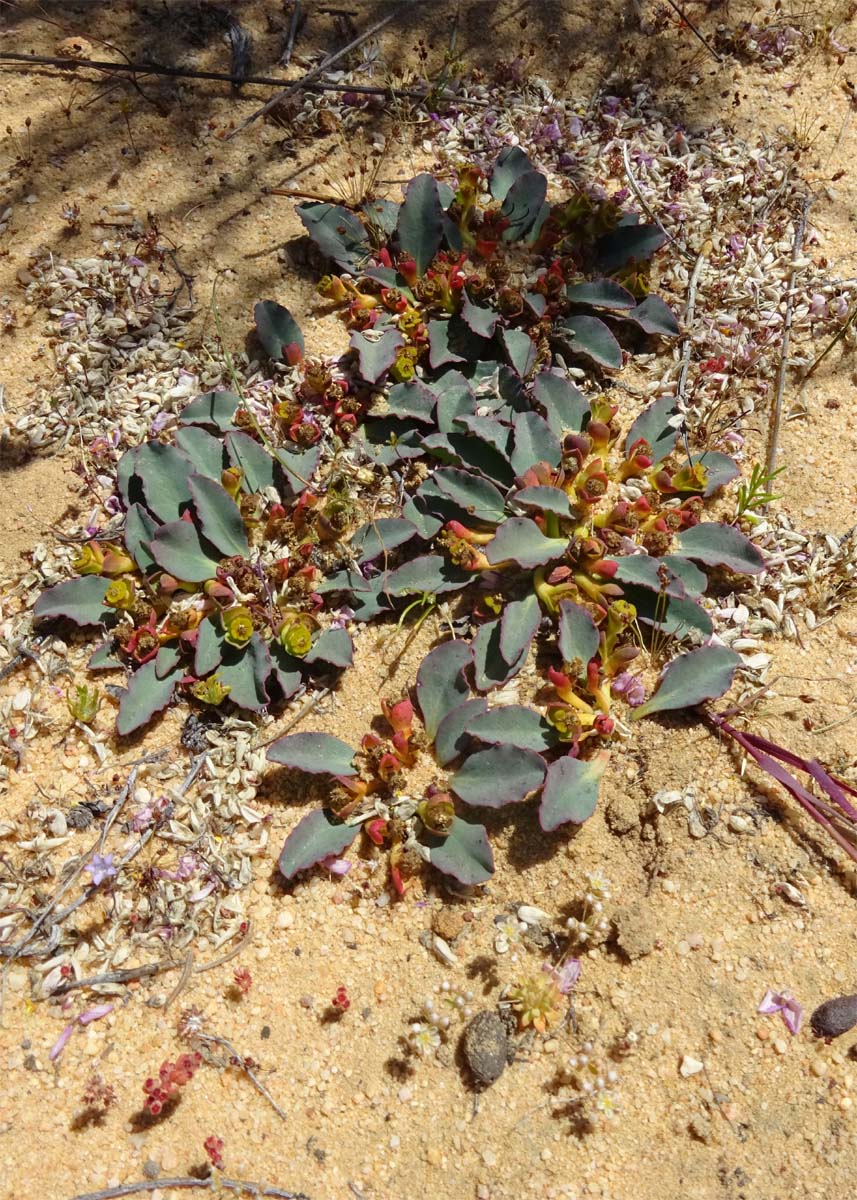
<point>213,408</point>
<point>383,214</point>
<point>337,233</point>
<point>643,570</point>
<point>589,336</point>
<point>720,469</point>
<point>441,683</point>
<point>412,401</point>
<point>523,205</point>
<point>166,661</point>
<point>140,528</point>
<point>163,472</point>
<point>254,460</point>
<point>520,350</point>
<point>431,574</point>
<point>219,517</point>
<point>535,442</point>
<point>103,658</point>
<point>694,581</point>
<point>498,776</point>
<point>78,600</point>
<point>658,424</point>
<point>245,671</point>
<point>465,853</point>
<point>145,695</point>
<point>180,550</point>
<point>521,540</point>
<point>511,164</point>
<point>490,669</point>
<point>476,497</point>
<point>702,674</point>
<point>316,837</point>
<point>333,647</point>
<point>513,725</point>
<point>315,753</point>
<point>577,635</point>
<point>286,670</point>
<point>673,616</point>
<point>638,242</point>
<point>278,332</point>
<point>381,536</point>
<point>479,320</point>
<point>720,546</point>
<point>452,342</point>
<point>544,498</point>
<point>375,354</point>
<point>452,738</point>
<point>571,788</point>
<point>566,407</point>
<point>209,647</point>
<point>205,451</point>
<point>298,466</point>
<point>518,625</point>
<point>601,293</point>
<point>654,317</point>
<point>420,223</point>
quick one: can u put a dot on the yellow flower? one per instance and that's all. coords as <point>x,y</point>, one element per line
<point>120,594</point>
<point>237,625</point>
<point>90,560</point>
<point>295,634</point>
<point>211,690</point>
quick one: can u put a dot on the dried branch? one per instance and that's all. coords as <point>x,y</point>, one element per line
<point>213,1184</point>
<point>693,29</point>
<point>777,410</point>
<point>238,1060</point>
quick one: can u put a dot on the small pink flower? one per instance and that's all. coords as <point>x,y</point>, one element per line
<point>785,1004</point>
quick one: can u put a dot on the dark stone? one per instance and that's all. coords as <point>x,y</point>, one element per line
<point>486,1047</point>
<point>834,1017</point>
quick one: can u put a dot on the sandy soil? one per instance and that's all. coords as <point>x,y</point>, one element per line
<point>768,1115</point>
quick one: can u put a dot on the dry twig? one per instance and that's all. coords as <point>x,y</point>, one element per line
<point>213,1184</point>
<point>777,410</point>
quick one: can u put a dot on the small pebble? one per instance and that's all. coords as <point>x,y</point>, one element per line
<point>781,1045</point>
<point>834,1017</point>
<point>486,1047</point>
<point>818,1068</point>
<point>690,1066</point>
<point>285,920</point>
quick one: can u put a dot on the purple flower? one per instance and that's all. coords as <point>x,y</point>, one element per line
<point>566,976</point>
<point>736,244</point>
<point>817,305</point>
<point>785,1004</point>
<point>100,867</point>
<point>631,687</point>
<point>161,420</point>
<point>336,866</point>
<point>133,261</point>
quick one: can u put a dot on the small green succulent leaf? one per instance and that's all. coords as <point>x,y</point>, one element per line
<point>206,452</point>
<point>145,695</point>
<point>337,233</point>
<point>518,626</point>
<point>601,293</point>
<point>628,243</point>
<point>520,350</point>
<point>498,776</point>
<point>163,471</point>
<point>455,398</point>
<point>535,442</point>
<point>571,788</point>
<point>659,424</point>
<point>209,647</point>
<point>285,670</point>
<point>128,482</point>
<point>278,332</point>
<point>381,536</point>
<point>78,600</point>
<point>702,674</point>
<point>140,528</point>
<point>479,320</point>
<point>488,429</point>
<point>216,409</point>
<point>375,354</point>
<point>430,574</point>
<point>511,164</point>
<point>452,738</point>
<point>566,408</point>
<point>442,683</point>
<point>166,661</point>
<point>672,616</point>
<point>490,669</point>
<point>654,317</point>
<point>254,460</point>
<point>577,634</point>
<point>179,549</point>
<point>720,469</point>
<point>521,540</point>
<point>383,214</point>
<point>693,580</point>
<point>720,546</point>
<point>645,571</point>
<point>412,400</point>
<point>245,670</point>
<point>465,853</point>
<point>333,647</point>
<point>315,753</point>
<point>589,336</point>
<point>298,466</point>
<point>543,498</point>
<point>476,497</point>
<point>513,725</point>
<point>103,658</point>
<point>219,516</point>
<point>315,837</point>
<point>472,454</point>
<point>523,205</point>
<point>420,223</point>
<point>452,342</point>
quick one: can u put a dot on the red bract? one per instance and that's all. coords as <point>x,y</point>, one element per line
<point>213,1147</point>
<point>400,715</point>
<point>341,1001</point>
<point>171,1076</point>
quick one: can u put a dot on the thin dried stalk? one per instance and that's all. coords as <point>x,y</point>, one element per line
<point>213,1184</point>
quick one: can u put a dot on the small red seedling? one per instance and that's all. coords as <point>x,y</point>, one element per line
<point>214,1149</point>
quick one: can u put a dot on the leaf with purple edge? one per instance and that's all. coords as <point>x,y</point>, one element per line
<point>180,549</point>
<point>720,469</point>
<point>520,540</point>
<point>212,408</point>
<point>429,574</point>
<point>477,497</point>
<point>535,442</point>
<point>601,293</point>
<point>654,317</point>
<point>333,647</point>
<point>441,683</point>
<point>245,671</point>
<point>376,354</point>
<point>520,350</point>
<point>644,570</point>
<point>103,658</point>
<point>514,725</point>
<point>577,634</point>
<point>571,788</point>
<point>452,342</point>
<point>381,536</point>
<point>479,320</point>
<point>465,853</point>
<point>315,753</point>
<point>638,242</point>
<point>163,471</point>
<point>420,223</point>
<point>523,205</point>
<point>205,451</point>
<point>78,600</point>
<point>589,336</point>
<point>544,498</point>
<point>512,162</point>
<point>658,424</point>
<point>720,546</point>
<point>337,233</point>
<point>412,401</point>
<point>702,674</point>
<point>498,776</point>
<point>490,667</point>
<point>219,517</point>
<point>452,738</point>
<point>209,647</point>
<point>278,332</point>
<point>145,696</point>
<point>518,626</point>
<point>285,670</point>
<point>566,407</point>
<point>315,838</point>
